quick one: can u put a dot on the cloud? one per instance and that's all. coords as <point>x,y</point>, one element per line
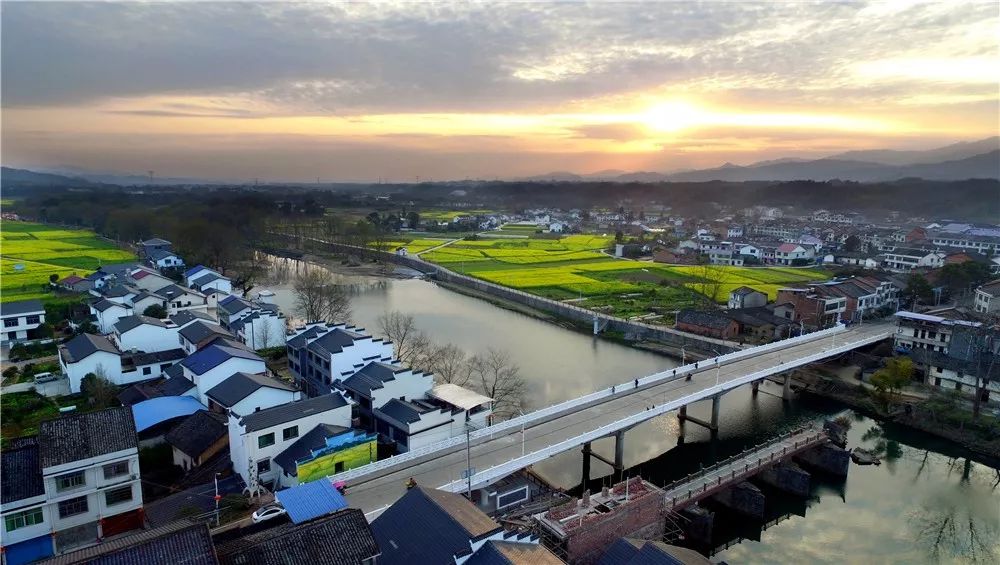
<point>358,58</point>
<point>615,132</point>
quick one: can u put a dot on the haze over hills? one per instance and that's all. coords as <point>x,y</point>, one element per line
<point>975,159</point>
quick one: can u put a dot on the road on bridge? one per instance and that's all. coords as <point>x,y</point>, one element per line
<point>372,494</point>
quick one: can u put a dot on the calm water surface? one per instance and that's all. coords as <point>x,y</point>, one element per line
<point>926,503</point>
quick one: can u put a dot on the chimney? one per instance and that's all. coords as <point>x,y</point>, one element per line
<point>605,491</point>
<point>585,501</point>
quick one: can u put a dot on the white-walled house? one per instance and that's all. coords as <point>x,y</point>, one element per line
<point>199,333</point>
<point>164,259</point>
<point>467,406</point>
<point>142,333</point>
<point>213,364</point>
<point>445,413</point>
<point>207,279</point>
<point>377,383</point>
<point>20,317</point>
<point>87,353</point>
<point>262,327</point>
<point>180,298</point>
<point>76,482</point>
<point>320,353</point>
<point>145,278</point>
<point>988,298</point>
<point>794,254</point>
<point>244,393</point>
<point>746,297</point>
<point>255,438</point>
<point>145,299</point>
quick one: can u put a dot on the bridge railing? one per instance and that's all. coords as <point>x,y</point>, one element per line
<point>503,469</point>
<point>576,403</point>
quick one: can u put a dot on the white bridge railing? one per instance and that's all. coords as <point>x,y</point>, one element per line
<point>513,424</point>
<point>487,476</point>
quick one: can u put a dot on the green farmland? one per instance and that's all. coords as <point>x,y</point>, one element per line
<point>576,267</point>
<point>30,253</point>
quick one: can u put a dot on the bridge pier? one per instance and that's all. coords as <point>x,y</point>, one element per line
<point>586,465</point>
<point>716,404</point>
<point>619,452</point>
<point>712,425</point>
<point>786,391</point>
<point>754,388</point>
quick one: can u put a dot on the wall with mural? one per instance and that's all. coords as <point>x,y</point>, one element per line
<point>352,452</point>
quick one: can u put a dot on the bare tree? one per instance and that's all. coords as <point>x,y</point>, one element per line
<point>412,345</point>
<point>261,333</point>
<point>319,297</point>
<point>499,378</point>
<point>449,365</point>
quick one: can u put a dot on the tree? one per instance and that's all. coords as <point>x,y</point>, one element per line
<point>53,278</point>
<point>500,379</point>
<point>98,390</point>
<point>852,243</point>
<point>155,311</point>
<point>449,365</point>
<point>918,288</point>
<point>411,345</point>
<point>414,220</point>
<point>896,374</point>
<point>318,297</point>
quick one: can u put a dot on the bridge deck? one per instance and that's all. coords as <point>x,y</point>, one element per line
<point>735,469</point>
<point>501,453</point>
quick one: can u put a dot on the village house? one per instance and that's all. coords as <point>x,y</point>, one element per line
<point>243,393</point>
<point>199,333</point>
<point>712,324</point>
<point>74,283</point>
<point>213,364</point>
<point>180,298</point>
<point>319,354</point>
<point>988,298</point>
<point>812,309</point>
<point>256,438</point>
<point>198,438</point>
<point>323,451</point>
<point>746,297</point>
<point>20,319</point>
<point>142,333</point>
<point>907,259</point>
<point>146,248</point>
<point>794,254</point>
<point>73,484</point>
<point>203,279</point>
<point>162,259</point>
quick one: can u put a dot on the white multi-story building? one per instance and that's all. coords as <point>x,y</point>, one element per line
<point>447,411</point>
<point>988,298</point>
<point>903,259</point>
<point>20,317</point>
<point>244,393</point>
<point>319,354</point>
<point>142,333</point>
<point>107,313</point>
<point>88,353</point>
<point>262,327</point>
<point>75,484</point>
<point>255,438</point>
<point>377,383</point>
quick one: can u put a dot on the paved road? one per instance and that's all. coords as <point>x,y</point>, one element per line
<point>373,494</point>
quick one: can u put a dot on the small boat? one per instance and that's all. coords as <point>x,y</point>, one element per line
<point>864,457</point>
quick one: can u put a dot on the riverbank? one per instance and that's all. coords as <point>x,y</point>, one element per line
<point>910,413</point>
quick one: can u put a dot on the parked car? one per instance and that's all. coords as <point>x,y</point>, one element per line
<point>268,512</point>
<point>45,378</point>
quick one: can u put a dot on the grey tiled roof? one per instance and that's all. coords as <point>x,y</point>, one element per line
<point>177,543</point>
<point>704,319</point>
<point>198,432</point>
<point>372,376</point>
<point>292,411</point>
<point>128,323</point>
<point>21,307</point>
<point>22,472</point>
<point>200,330</point>
<point>175,385</point>
<point>81,436</point>
<point>341,538</point>
<point>155,357</point>
<point>84,345</point>
<point>235,305</point>
<point>335,341</point>
<point>158,254</point>
<point>205,279</point>
<point>156,241</point>
<point>103,304</point>
<point>238,386</point>
<point>447,522</point>
<point>401,411</point>
<point>312,440</point>
<point>185,316</point>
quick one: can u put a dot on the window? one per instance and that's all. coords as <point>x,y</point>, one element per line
<point>147,370</point>
<point>263,466</point>
<point>113,470</point>
<point>70,481</point>
<point>34,320</point>
<point>165,366</point>
<point>23,519</point>
<point>72,507</point>
<point>290,433</point>
<point>118,495</point>
<point>265,440</point>
<point>10,322</point>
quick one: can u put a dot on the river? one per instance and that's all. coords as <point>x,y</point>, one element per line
<point>928,502</point>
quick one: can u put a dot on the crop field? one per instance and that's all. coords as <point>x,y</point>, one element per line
<point>573,267</point>
<point>415,245</point>
<point>449,215</point>
<point>31,253</point>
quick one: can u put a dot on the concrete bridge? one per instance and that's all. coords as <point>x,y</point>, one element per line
<point>484,456</point>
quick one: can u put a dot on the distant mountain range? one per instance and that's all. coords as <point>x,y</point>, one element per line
<point>959,161</point>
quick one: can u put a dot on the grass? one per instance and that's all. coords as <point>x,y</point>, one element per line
<point>23,411</point>
<point>30,253</point>
<point>574,267</point>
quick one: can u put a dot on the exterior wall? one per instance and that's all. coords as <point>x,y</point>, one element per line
<point>986,303</point>
<point>19,325</point>
<point>950,379</point>
<point>244,446</point>
<point>432,427</point>
<point>747,301</point>
<point>223,371</point>
<point>147,338</point>
<point>225,285</point>
<point>264,332</point>
<point>168,262</point>
<point>182,460</point>
<point>406,386</point>
<point>107,319</point>
<point>335,461</point>
<point>731,329</point>
<point>140,306</point>
<point>186,301</point>
<point>108,363</point>
<point>263,398</point>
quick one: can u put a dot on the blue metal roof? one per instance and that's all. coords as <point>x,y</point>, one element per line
<point>210,357</point>
<point>311,500</point>
<point>193,270</point>
<point>150,412</point>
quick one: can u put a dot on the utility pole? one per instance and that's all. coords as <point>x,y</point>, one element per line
<point>217,498</point>
<point>468,458</point>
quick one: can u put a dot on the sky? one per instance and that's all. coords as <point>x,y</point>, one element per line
<point>407,91</point>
